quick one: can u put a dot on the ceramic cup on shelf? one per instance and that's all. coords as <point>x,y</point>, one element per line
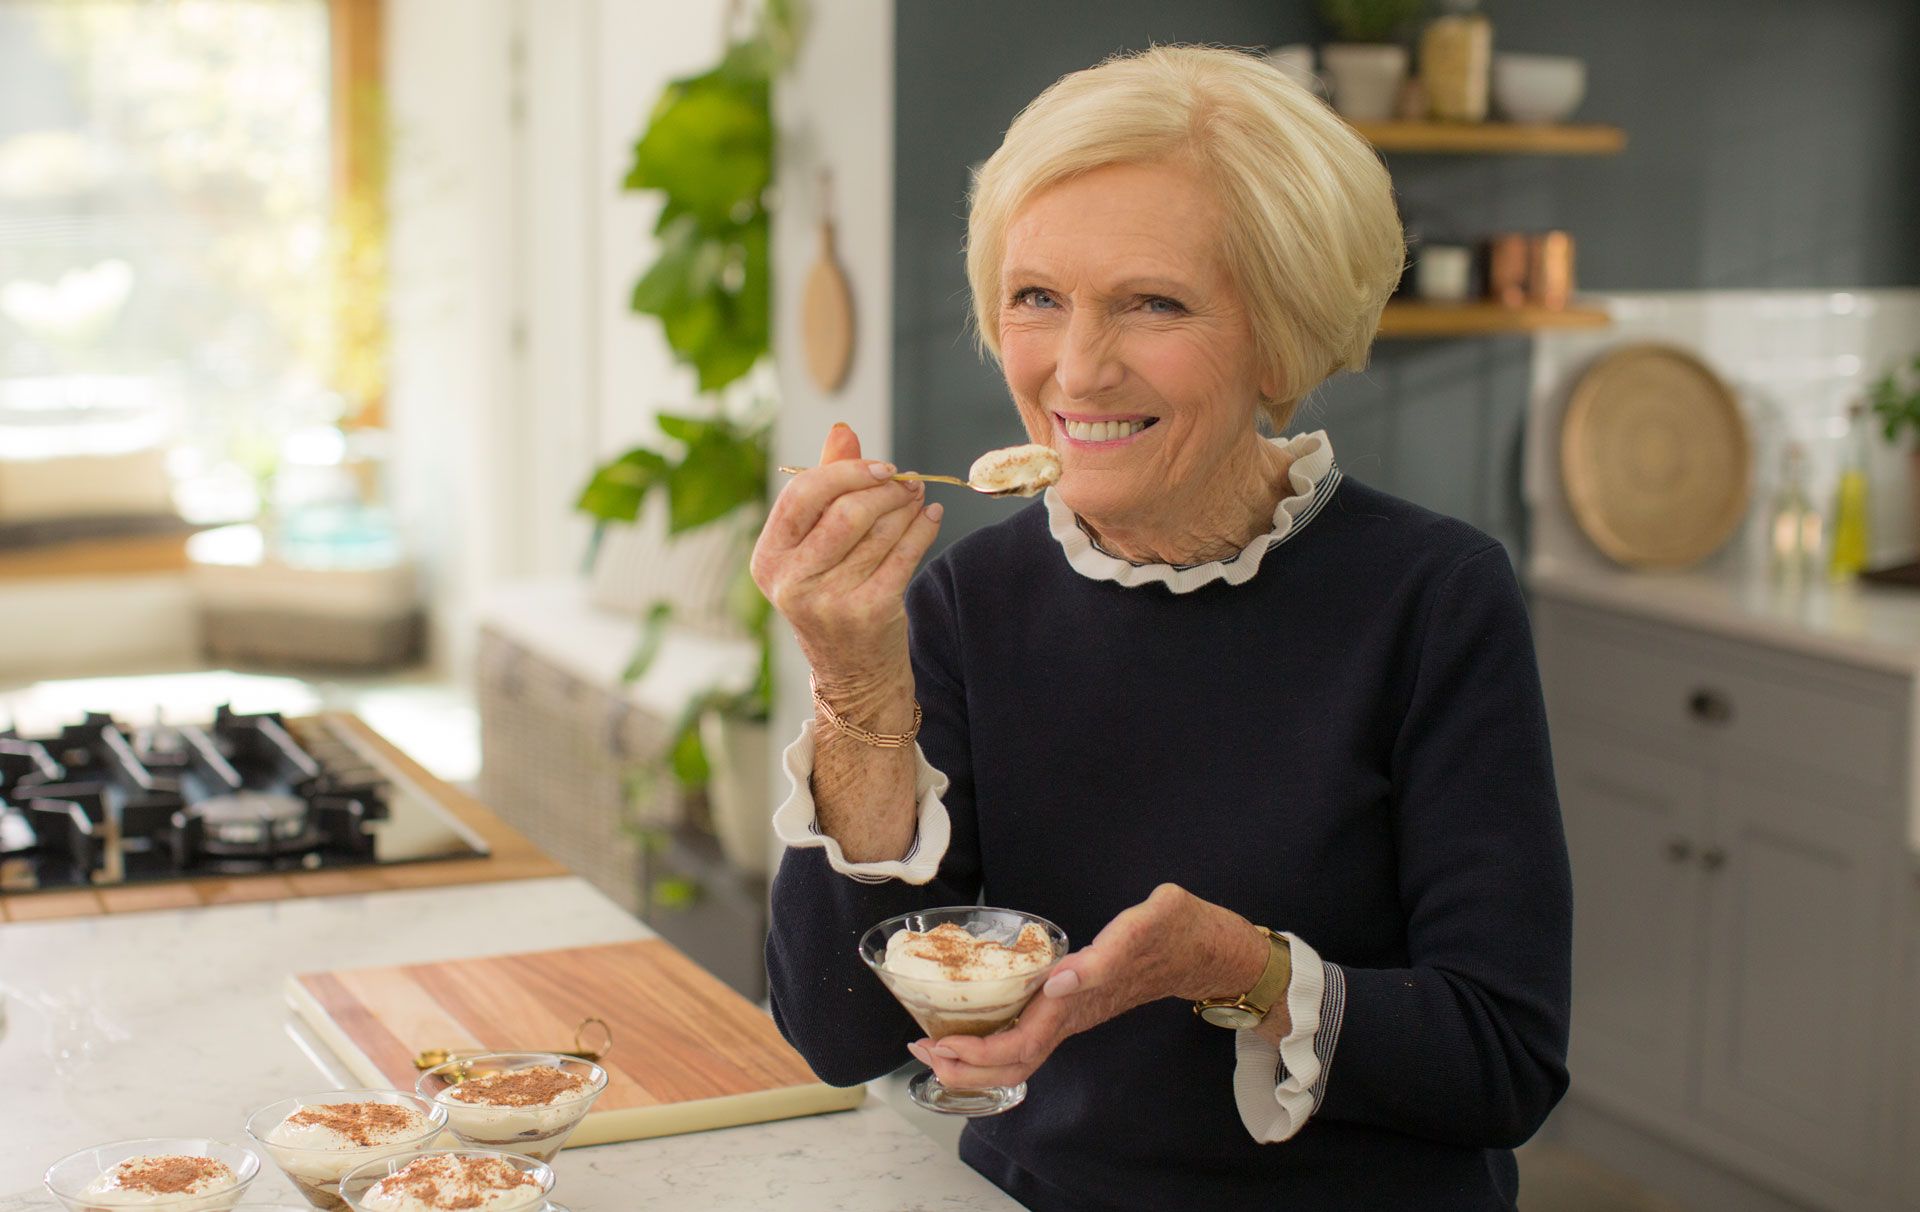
<point>1538,88</point>
<point>1444,273</point>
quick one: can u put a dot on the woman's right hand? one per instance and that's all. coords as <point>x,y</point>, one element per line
<point>840,544</point>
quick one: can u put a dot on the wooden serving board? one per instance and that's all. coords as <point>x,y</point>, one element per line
<point>688,1054</point>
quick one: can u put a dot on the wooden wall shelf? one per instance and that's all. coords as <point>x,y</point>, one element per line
<point>1481,319</point>
<point>1494,138</point>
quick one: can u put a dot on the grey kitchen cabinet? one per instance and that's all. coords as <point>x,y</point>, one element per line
<point>1632,823</point>
<point>1736,820</point>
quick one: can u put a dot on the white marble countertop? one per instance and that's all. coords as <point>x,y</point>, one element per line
<point>1872,626</point>
<point>172,1023</point>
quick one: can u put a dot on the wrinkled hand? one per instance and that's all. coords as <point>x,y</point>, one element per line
<point>840,544</point>
<point>1173,944</point>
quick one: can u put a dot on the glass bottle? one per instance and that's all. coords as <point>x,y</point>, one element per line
<point>1852,537</point>
<point>1793,525</point>
<point>1456,57</point>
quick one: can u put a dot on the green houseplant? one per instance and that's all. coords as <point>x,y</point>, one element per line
<point>708,149</point>
<point>1895,401</point>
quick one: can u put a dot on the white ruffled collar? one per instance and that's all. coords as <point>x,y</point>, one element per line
<point>1313,476</point>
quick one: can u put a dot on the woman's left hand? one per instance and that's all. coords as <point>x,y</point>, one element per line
<point>1173,944</point>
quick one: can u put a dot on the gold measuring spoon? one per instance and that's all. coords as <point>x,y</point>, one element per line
<point>429,1058</point>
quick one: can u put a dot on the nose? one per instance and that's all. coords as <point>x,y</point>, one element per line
<point>1087,364</point>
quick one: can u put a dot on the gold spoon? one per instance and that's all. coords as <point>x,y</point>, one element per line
<point>927,477</point>
<point>428,1058</point>
<point>994,464</point>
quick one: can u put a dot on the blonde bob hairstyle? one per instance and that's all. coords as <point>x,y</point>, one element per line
<point>1313,240</point>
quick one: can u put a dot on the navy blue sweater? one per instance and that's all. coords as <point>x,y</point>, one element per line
<point>1351,746</point>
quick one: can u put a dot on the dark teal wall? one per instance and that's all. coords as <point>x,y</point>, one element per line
<point>1772,143</point>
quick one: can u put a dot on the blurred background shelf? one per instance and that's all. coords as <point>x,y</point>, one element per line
<point>1494,138</point>
<point>1481,319</point>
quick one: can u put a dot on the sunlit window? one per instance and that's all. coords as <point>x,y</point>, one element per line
<point>165,182</point>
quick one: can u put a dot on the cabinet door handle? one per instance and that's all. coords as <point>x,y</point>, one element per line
<point>1710,706</point>
<point>1713,858</point>
<point>1679,849</point>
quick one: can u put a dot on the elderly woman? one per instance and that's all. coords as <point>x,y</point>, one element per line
<point>1253,734</point>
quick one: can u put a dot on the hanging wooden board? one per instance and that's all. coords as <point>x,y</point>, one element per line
<point>826,317</point>
<point>688,1054</point>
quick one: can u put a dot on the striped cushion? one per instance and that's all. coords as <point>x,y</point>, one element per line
<point>638,565</point>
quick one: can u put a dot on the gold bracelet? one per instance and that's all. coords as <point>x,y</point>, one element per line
<point>879,740</point>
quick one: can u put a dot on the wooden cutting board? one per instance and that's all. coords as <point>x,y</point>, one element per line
<point>689,1053</point>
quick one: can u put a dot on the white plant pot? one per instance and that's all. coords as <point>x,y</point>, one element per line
<point>738,793</point>
<point>1366,78</point>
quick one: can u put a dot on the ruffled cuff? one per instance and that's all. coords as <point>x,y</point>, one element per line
<point>1278,1089</point>
<point>796,823</point>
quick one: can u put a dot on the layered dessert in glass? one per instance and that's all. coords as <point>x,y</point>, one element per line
<point>964,970</point>
<point>520,1102</point>
<point>449,1180</point>
<point>178,1174</point>
<point>316,1140</point>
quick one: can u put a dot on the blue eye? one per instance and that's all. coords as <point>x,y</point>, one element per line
<point>1160,305</point>
<point>1032,294</point>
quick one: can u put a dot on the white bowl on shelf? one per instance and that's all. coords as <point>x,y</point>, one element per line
<point>1538,88</point>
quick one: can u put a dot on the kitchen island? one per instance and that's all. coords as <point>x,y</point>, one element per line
<point>174,1023</point>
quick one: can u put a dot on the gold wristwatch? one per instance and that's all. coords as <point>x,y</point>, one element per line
<point>1247,1010</point>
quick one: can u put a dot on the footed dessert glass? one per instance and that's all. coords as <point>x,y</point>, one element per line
<point>71,1176</point>
<point>354,1188</point>
<point>517,1122</point>
<point>945,1007</point>
<point>317,1171</point>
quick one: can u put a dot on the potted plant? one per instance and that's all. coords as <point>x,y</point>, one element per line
<point>708,147</point>
<point>1366,66</point>
<point>1895,400</point>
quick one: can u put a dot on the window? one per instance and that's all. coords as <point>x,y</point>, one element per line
<point>190,253</point>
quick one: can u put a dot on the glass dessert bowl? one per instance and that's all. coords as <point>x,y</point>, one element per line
<point>441,1180</point>
<point>177,1174</point>
<point>964,970</point>
<point>317,1139</point>
<point>518,1102</point>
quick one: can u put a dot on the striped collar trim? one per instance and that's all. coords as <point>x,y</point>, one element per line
<point>1314,477</point>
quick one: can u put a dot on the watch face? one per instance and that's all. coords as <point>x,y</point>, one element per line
<point>1232,1017</point>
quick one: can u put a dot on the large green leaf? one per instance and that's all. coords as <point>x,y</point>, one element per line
<point>719,474</point>
<point>709,146</point>
<point>617,488</point>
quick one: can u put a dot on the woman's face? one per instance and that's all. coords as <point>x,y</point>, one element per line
<point>1125,342</point>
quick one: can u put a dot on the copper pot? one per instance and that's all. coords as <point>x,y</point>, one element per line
<point>1507,258</point>
<point>1550,269</point>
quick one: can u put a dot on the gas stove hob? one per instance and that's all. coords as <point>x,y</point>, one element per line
<point>105,804</point>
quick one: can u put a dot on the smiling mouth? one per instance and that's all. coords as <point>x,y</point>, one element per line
<point>1104,431</point>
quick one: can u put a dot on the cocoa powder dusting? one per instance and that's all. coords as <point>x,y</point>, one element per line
<point>362,1123</point>
<point>534,1087</point>
<point>957,952</point>
<point>453,1183</point>
<point>169,1175</point>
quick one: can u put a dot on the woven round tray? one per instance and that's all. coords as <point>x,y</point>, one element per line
<point>1655,457</point>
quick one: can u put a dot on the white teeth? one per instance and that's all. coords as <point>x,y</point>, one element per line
<point>1102,431</point>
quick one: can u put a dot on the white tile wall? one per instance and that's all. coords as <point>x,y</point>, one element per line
<point>1795,360</point>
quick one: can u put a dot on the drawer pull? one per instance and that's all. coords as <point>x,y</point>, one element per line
<point>1710,707</point>
<point>1713,858</point>
<point>1679,849</point>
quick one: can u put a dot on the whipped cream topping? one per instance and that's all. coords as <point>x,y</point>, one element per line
<point>1019,470</point>
<point>454,1184</point>
<point>534,1101</point>
<point>322,1141</point>
<point>160,1179</point>
<point>949,953</point>
<point>338,1127</point>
